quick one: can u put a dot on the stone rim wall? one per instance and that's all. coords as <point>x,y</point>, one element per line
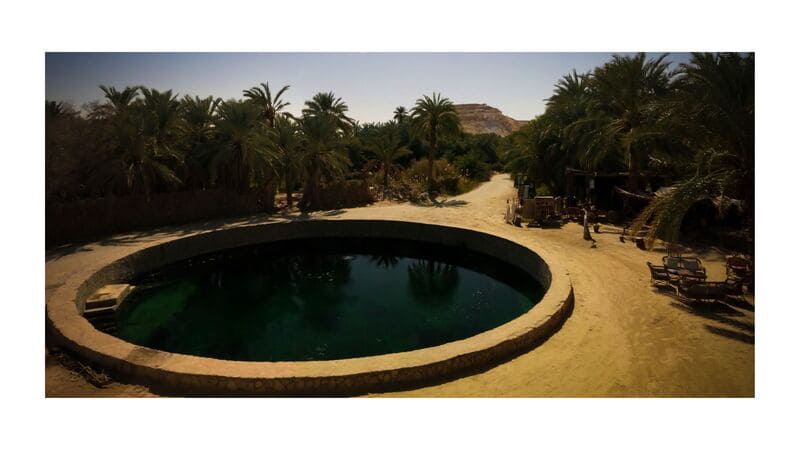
<point>185,374</point>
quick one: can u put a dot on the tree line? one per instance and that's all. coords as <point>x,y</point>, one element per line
<point>141,141</point>
<point>634,114</point>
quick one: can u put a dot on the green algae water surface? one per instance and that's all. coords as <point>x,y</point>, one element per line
<point>316,299</point>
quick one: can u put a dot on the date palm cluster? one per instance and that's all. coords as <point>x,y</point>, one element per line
<point>141,141</point>
<point>633,114</point>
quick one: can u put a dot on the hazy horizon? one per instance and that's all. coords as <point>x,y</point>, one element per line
<point>372,84</point>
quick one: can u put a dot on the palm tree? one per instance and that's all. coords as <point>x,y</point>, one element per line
<point>197,116</point>
<point>537,150</point>
<point>286,140</point>
<point>269,106</point>
<point>432,117</point>
<point>114,116</point>
<point>400,114</point>
<point>568,119</point>
<point>138,142</point>
<point>246,155</point>
<point>387,151</point>
<point>196,129</point>
<point>66,147</point>
<point>55,110</point>
<point>132,167</point>
<point>625,90</point>
<point>328,103</point>
<point>322,156</point>
<point>119,102</point>
<point>542,148</point>
<point>570,133</point>
<point>161,115</point>
<point>569,90</point>
<point>712,110</point>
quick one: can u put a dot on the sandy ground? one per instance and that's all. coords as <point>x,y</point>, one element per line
<point>624,338</point>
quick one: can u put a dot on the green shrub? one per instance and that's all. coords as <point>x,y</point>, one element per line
<point>472,166</point>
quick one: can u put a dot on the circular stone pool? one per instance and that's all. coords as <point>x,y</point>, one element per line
<point>323,299</point>
<point>480,309</point>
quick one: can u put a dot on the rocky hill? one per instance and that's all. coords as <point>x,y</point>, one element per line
<point>482,118</point>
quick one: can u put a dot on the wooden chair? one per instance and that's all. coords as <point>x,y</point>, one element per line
<point>734,287</point>
<point>737,266</point>
<point>659,276</point>
<point>672,264</point>
<point>741,268</point>
<point>694,266</point>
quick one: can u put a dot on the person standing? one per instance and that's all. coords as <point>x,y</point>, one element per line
<point>586,234</point>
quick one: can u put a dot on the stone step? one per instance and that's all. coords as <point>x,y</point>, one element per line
<point>100,312</point>
<point>108,295</point>
<point>100,302</point>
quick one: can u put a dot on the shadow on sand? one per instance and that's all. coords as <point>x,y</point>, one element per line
<point>727,313</point>
<point>746,338</point>
<point>723,314</point>
<point>440,204</point>
<point>137,237</point>
<point>64,250</point>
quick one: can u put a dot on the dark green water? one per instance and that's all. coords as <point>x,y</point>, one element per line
<point>322,300</point>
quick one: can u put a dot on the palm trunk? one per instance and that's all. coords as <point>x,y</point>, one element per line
<point>239,182</point>
<point>634,168</point>
<point>272,187</point>
<point>308,194</point>
<point>431,154</point>
<point>289,186</point>
<point>430,172</point>
<point>311,193</point>
<point>634,176</point>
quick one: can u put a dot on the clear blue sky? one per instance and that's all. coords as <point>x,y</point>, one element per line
<point>372,84</point>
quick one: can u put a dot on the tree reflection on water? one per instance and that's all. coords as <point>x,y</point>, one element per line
<point>432,282</point>
<point>386,261</point>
